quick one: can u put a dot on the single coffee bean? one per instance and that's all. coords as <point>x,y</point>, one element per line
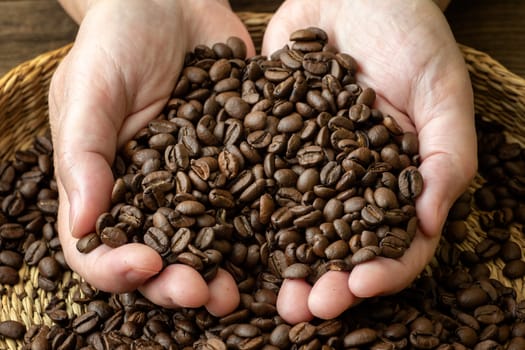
<point>359,337</point>
<point>48,267</point>
<point>12,329</point>
<point>301,333</point>
<point>8,275</point>
<point>410,182</point>
<point>35,252</point>
<point>85,322</point>
<point>88,242</point>
<point>297,270</point>
<point>113,237</point>
<point>514,269</point>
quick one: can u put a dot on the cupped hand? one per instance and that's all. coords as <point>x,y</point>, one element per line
<point>117,77</point>
<point>406,52</point>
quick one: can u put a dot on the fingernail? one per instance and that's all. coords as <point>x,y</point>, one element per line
<point>73,198</point>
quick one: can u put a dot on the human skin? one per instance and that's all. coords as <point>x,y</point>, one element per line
<point>117,77</point>
<point>121,70</point>
<point>407,54</point>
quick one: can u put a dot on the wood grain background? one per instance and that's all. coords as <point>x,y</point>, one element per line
<point>32,27</point>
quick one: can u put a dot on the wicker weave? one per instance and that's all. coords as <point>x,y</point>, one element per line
<point>499,96</point>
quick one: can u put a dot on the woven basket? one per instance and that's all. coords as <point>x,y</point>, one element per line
<point>499,97</point>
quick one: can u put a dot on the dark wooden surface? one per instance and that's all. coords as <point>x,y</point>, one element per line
<point>32,27</point>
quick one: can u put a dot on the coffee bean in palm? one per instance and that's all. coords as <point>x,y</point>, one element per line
<point>410,182</point>
<point>113,237</point>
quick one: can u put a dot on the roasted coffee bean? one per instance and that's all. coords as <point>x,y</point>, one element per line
<point>12,329</point>
<point>85,322</point>
<point>113,237</point>
<point>35,252</point>
<point>11,231</point>
<point>191,208</point>
<point>301,333</point>
<point>8,275</point>
<point>514,269</point>
<point>297,271</point>
<point>360,337</point>
<point>180,240</point>
<point>410,182</point>
<point>11,258</point>
<point>472,297</point>
<point>487,248</point>
<point>489,314</point>
<point>49,268</point>
<point>88,242</point>
<point>157,239</point>
<point>365,254</point>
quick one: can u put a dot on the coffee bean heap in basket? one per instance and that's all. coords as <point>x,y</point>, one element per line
<point>280,163</point>
<point>257,205</point>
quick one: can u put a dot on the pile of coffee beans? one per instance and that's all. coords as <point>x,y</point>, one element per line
<point>501,198</point>
<point>279,162</point>
<point>266,167</point>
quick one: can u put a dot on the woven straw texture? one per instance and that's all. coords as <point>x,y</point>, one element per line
<point>499,96</point>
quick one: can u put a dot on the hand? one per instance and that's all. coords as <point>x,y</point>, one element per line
<point>117,77</point>
<point>407,54</point>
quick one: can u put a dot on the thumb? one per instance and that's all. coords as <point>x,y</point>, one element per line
<point>85,116</point>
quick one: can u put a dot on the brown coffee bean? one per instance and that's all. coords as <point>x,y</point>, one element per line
<point>157,239</point>
<point>11,258</point>
<point>291,123</point>
<point>333,210</point>
<point>279,336</point>
<point>301,333</point>
<point>410,182</point>
<point>514,269</point>
<point>12,329</point>
<point>487,248</point>
<point>113,237</point>
<point>297,270</point>
<point>85,322</point>
<point>489,314</point>
<point>35,252</point>
<point>359,337</point>
<point>310,156</point>
<point>12,231</point>
<point>365,254</point>
<point>49,268</point>
<point>180,240</point>
<point>191,208</point>
<point>8,275</point>
<point>337,250</point>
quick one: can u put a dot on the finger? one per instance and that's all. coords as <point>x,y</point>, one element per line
<point>383,276</point>
<point>292,301</point>
<point>330,295</point>
<point>113,270</point>
<point>176,286</point>
<point>224,296</point>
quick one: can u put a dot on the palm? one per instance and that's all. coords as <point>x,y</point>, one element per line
<point>407,54</point>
